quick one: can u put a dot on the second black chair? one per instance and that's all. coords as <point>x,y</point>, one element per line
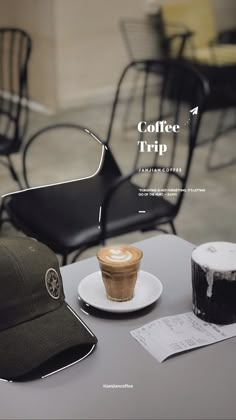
<point>15,50</point>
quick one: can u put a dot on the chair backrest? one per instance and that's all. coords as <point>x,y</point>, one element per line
<point>60,153</point>
<point>143,38</point>
<point>182,89</point>
<point>196,15</point>
<point>15,49</point>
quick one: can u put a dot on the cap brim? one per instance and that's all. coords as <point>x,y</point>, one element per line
<point>28,346</point>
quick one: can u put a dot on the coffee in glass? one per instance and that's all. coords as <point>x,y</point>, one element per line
<point>119,265</point>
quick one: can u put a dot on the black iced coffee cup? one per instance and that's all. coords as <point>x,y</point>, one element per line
<point>214,282</point>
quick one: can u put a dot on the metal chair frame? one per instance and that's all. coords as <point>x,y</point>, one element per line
<point>15,51</point>
<point>144,40</point>
<point>224,37</point>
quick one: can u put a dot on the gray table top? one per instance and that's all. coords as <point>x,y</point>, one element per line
<point>197,385</point>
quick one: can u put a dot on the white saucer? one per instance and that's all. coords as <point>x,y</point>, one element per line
<point>148,289</point>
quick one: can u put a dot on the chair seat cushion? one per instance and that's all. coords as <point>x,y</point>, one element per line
<point>66,216</point>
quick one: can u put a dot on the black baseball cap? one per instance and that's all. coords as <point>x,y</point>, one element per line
<point>39,331</point>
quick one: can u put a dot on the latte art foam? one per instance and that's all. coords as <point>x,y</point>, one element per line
<point>217,256</point>
<point>119,254</point>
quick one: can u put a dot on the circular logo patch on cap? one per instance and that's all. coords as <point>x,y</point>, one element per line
<point>53,283</point>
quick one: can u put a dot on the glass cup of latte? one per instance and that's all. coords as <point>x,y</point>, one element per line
<point>119,267</point>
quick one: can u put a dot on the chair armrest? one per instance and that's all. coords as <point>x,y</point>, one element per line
<point>115,185</point>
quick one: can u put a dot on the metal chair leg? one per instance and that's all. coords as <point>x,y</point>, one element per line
<point>212,147</point>
<point>173,228</point>
<point>1,214</point>
<point>64,259</point>
<point>78,253</point>
<point>159,229</point>
<point>130,101</point>
<point>13,172</point>
<point>3,219</point>
<point>220,130</point>
<point>217,131</point>
<point>210,166</point>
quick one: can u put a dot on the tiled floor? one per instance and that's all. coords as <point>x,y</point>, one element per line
<point>203,217</point>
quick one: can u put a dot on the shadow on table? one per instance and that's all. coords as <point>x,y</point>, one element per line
<point>90,310</point>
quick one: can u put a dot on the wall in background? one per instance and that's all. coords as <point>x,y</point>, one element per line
<point>37,18</point>
<point>90,51</point>
<point>78,52</point>
<point>224,11</point>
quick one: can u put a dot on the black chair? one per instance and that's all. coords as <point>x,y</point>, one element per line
<point>76,215</point>
<point>214,55</point>
<point>145,39</point>
<point>15,49</point>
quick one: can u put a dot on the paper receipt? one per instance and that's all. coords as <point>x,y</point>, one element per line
<point>170,335</point>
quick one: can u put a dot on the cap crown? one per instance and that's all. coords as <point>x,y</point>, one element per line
<point>30,281</point>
